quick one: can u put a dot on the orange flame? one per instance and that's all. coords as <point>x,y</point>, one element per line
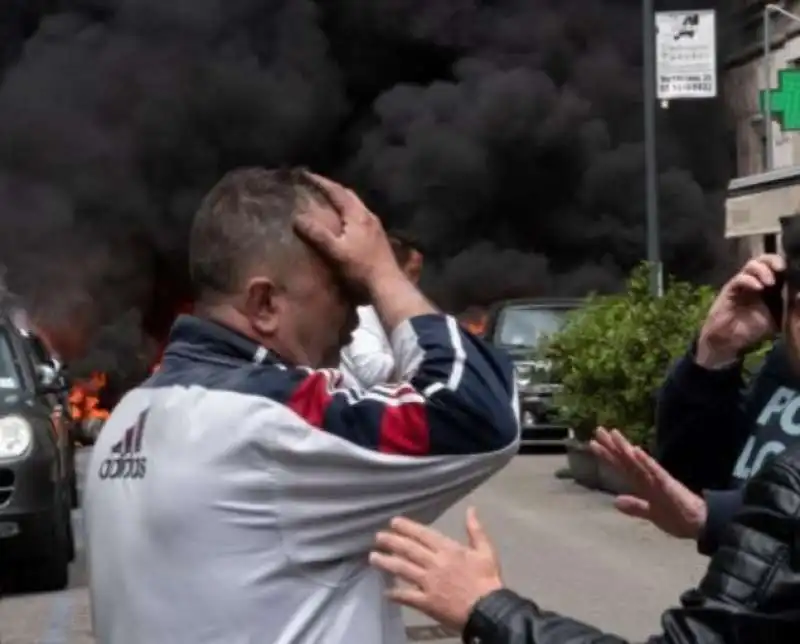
<point>84,399</point>
<point>476,327</point>
<point>474,320</point>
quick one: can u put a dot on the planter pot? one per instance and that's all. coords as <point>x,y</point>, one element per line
<point>590,472</point>
<point>610,481</point>
<point>583,465</point>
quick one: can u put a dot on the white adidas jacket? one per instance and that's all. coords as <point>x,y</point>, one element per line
<point>232,499</point>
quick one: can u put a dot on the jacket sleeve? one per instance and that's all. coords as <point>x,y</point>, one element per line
<point>701,423</point>
<point>460,396</point>
<point>748,594</point>
<point>506,618</point>
<point>368,358</point>
<point>722,505</point>
<point>414,448</point>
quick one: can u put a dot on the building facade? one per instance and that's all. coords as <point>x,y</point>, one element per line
<point>760,196</point>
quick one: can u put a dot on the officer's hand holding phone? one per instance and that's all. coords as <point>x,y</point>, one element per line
<point>748,309</point>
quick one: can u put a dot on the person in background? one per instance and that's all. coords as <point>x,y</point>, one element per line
<point>368,360</point>
<point>747,596</point>
<point>233,497</point>
<point>713,432</point>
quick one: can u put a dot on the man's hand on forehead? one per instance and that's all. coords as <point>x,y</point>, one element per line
<point>322,215</point>
<point>344,200</point>
<point>361,248</point>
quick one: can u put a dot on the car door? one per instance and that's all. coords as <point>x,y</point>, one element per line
<point>55,402</point>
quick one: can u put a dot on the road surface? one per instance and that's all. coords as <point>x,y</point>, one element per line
<point>562,545</point>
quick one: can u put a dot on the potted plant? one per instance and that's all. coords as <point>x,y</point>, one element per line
<point>612,356</point>
<point>584,468</point>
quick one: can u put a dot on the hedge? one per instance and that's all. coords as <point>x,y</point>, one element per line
<point>613,354</point>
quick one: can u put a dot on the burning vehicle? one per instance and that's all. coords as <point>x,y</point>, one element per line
<point>474,320</point>
<point>123,355</point>
<point>85,408</point>
<point>518,327</point>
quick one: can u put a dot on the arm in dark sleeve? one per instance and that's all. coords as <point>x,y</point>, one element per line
<point>458,396</point>
<point>701,423</point>
<point>722,506</point>
<point>506,618</point>
<point>748,594</point>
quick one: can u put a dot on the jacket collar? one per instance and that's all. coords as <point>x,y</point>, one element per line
<point>209,337</point>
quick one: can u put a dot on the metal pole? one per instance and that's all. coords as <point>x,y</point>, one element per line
<point>767,54</point>
<point>651,170</point>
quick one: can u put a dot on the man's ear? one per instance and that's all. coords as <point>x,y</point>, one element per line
<point>261,305</point>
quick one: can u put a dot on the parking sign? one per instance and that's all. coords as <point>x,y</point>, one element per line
<point>686,54</point>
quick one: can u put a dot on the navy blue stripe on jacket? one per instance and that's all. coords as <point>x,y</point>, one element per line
<point>459,400</point>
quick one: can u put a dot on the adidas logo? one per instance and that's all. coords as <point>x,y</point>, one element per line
<point>125,462</point>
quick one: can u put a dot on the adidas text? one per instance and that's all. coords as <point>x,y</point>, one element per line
<point>123,468</point>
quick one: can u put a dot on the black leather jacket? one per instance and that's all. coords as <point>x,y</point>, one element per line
<point>749,595</point>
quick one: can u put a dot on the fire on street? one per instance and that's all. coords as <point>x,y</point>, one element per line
<point>559,544</point>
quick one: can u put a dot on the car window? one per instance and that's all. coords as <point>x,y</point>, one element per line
<point>526,327</point>
<point>10,374</point>
<point>39,353</point>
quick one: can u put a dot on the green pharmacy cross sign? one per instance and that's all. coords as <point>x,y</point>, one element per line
<point>784,102</point>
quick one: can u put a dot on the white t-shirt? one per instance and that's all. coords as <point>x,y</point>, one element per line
<point>368,360</point>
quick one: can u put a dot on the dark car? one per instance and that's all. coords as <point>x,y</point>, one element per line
<point>36,468</point>
<point>518,327</point>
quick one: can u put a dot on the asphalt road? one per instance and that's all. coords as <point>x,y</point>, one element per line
<point>561,545</point>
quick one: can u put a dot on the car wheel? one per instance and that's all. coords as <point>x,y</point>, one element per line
<point>70,536</point>
<point>73,476</point>
<point>52,571</point>
<point>73,490</point>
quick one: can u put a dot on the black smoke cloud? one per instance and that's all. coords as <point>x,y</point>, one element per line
<point>505,134</point>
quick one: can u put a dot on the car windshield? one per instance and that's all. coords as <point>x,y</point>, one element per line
<point>526,327</point>
<point>10,377</point>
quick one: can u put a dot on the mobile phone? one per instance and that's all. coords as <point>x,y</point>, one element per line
<point>772,297</point>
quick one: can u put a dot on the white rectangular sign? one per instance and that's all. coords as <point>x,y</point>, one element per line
<point>686,54</point>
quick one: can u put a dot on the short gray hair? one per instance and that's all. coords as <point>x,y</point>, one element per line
<point>244,219</point>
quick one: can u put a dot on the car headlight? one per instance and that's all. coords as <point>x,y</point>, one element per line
<point>16,436</point>
<point>523,373</point>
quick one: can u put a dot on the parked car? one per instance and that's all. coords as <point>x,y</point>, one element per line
<point>36,466</point>
<point>518,327</point>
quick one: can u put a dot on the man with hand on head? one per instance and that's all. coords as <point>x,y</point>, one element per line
<point>368,360</point>
<point>233,497</point>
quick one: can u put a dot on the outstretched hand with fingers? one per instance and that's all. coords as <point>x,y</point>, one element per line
<point>656,495</point>
<point>441,577</point>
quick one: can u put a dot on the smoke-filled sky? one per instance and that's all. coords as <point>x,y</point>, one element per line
<point>504,133</point>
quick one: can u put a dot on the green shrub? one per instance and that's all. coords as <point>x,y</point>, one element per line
<point>613,354</point>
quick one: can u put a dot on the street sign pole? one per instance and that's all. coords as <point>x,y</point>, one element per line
<point>680,62</point>
<point>650,157</point>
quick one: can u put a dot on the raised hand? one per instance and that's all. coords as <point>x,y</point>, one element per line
<point>656,496</point>
<point>739,319</point>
